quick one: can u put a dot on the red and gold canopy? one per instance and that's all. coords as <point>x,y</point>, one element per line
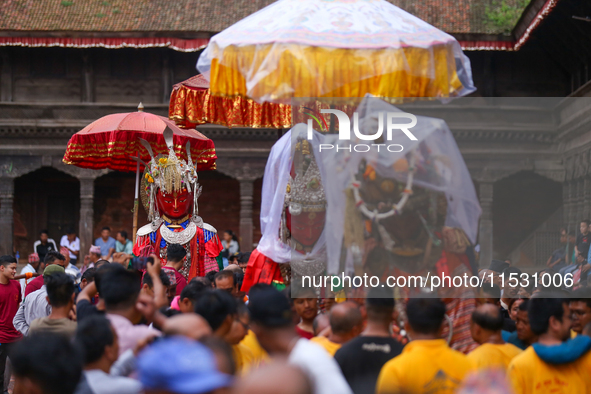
<point>192,104</point>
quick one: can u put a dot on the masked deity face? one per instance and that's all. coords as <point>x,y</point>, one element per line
<point>175,205</point>
<point>306,227</point>
<point>406,238</point>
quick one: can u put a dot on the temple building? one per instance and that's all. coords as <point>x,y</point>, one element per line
<point>64,64</point>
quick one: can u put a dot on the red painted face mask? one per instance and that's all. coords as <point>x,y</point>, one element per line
<point>306,227</point>
<point>175,205</point>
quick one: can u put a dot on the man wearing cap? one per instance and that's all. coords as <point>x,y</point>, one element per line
<point>274,328</point>
<point>50,259</point>
<point>94,255</point>
<point>32,268</point>
<point>35,304</point>
<point>189,368</point>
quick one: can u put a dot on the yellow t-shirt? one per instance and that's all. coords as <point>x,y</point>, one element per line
<point>425,366</point>
<point>329,346</point>
<point>243,358</point>
<point>489,355</point>
<point>529,374</point>
<point>251,342</point>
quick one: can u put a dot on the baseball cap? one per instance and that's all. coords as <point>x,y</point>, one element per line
<point>179,365</point>
<point>269,307</point>
<point>53,269</point>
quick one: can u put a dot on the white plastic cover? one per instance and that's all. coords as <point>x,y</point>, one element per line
<point>317,48</point>
<point>275,181</point>
<point>435,143</point>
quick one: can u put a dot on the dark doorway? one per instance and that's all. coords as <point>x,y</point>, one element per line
<point>44,199</point>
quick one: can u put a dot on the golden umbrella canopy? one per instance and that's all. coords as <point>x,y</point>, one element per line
<point>334,48</point>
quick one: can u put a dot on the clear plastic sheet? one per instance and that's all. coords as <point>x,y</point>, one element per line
<point>320,48</point>
<point>275,181</point>
<point>434,148</point>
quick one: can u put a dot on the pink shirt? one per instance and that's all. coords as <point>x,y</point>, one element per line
<point>128,334</point>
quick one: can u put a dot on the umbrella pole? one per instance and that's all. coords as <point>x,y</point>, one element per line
<point>135,201</point>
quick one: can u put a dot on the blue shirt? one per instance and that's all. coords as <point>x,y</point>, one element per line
<point>105,246</point>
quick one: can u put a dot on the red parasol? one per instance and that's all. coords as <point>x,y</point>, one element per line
<point>113,142</point>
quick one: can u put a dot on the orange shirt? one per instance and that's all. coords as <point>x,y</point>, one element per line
<point>490,355</point>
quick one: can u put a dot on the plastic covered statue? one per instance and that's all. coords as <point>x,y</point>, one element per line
<point>293,213</point>
<point>170,195</point>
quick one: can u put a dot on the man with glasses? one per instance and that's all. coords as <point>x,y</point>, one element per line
<point>580,307</point>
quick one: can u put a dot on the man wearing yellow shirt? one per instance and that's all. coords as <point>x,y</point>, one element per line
<point>427,364</point>
<point>485,327</point>
<point>345,324</point>
<point>552,365</point>
<point>243,357</point>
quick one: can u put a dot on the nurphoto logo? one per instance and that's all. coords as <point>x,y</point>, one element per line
<point>345,131</point>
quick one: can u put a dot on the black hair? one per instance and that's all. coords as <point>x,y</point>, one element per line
<point>232,234</point>
<point>211,276</point>
<point>6,260</point>
<point>175,253</point>
<point>488,321</point>
<point>52,256</point>
<point>202,279</point>
<point>238,278</point>
<point>49,360</point>
<point>586,221</point>
<point>119,288</point>
<point>106,228</point>
<point>60,288</point>
<point>89,275</point>
<point>380,304</point>
<point>44,232</point>
<point>225,274</point>
<point>100,263</point>
<point>523,306</point>
<point>425,315</point>
<point>540,310</point>
<point>512,270</point>
<point>93,334</point>
<point>214,306</point>
<point>582,294</point>
<point>193,290</point>
<point>123,233</point>
<point>491,290</point>
<point>70,230</point>
<point>101,271</point>
<point>163,278</point>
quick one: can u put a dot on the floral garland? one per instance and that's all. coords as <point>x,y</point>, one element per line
<point>397,209</point>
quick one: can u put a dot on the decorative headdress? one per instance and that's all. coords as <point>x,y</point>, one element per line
<point>305,192</point>
<point>169,174</point>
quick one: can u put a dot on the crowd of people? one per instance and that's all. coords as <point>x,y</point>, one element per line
<point>110,328</point>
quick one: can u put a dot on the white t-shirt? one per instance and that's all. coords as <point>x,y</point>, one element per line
<point>322,370</point>
<point>74,245</point>
<point>23,282</point>
<point>102,383</point>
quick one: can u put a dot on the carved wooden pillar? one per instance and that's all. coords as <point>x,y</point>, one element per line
<point>88,78</point>
<point>86,215</point>
<point>587,197</point>
<point>580,200</point>
<point>246,223</point>
<point>6,76</point>
<point>166,78</point>
<point>485,237</point>
<point>6,215</point>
